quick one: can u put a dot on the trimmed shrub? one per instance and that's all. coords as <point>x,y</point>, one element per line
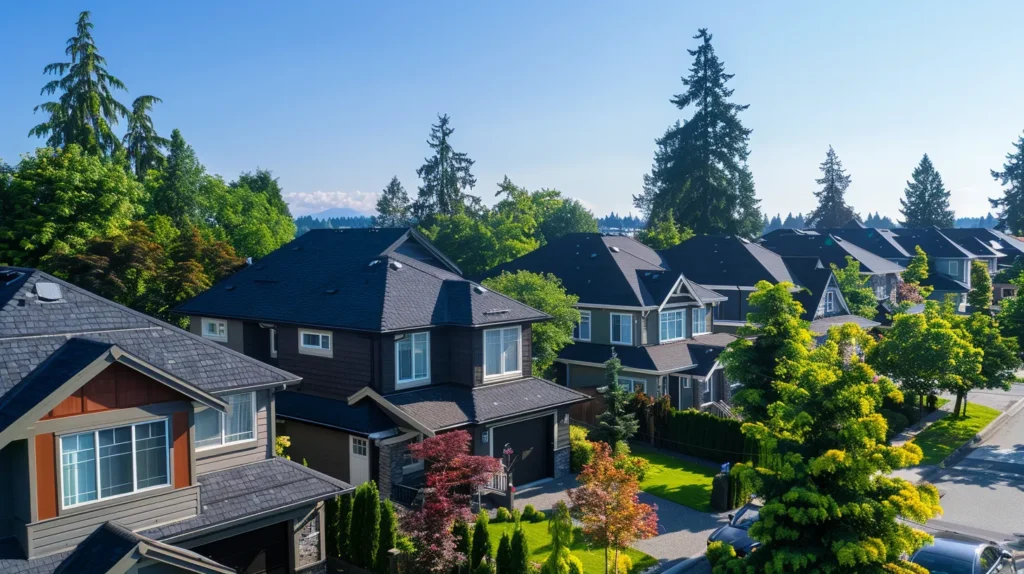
<point>538,516</point>
<point>463,544</point>
<point>623,566</point>
<point>503,559</point>
<point>503,515</point>
<point>388,536</point>
<point>896,422</point>
<point>581,450</point>
<point>739,492</point>
<point>332,511</point>
<point>481,540</point>
<point>719,552</point>
<point>635,466</point>
<point>485,567</point>
<point>520,563</point>
<point>575,565</point>
<point>516,516</point>
<point>344,522</point>
<point>365,526</point>
<point>699,434</point>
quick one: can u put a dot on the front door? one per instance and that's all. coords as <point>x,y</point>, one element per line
<point>359,460</point>
<point>531,444</point>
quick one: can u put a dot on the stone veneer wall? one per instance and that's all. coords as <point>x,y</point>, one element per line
<point>390,466</point>
<point>561,462</point>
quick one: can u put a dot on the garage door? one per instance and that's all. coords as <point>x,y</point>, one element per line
<point>263,551</point>
<point>531,444</point>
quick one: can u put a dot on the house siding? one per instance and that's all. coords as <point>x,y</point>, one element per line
<point>15,506</point>
<point>350,368</point>
<point>601,330</point>
<point>583,376</point>
<point>236,332</point>
<point>322,448</point>
<point>229,456</point>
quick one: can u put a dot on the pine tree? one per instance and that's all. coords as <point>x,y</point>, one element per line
<point>393,206</point>
<point>481,540</point>
<point>387,538</point>
<point>927,201</point>
<point>446,177</point>
<point>176,193</point>
<point>141,141</point>
<point>503,560</point>
<point>980,296</point>
<point>832,210</point>
<point>86,109</point>
<point>700,169</point>
<point>1011,205</point>
<point>615,424</point>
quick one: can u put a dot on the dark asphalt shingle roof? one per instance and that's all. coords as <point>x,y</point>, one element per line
<point>881,242</point>
<point>942,283</point>
<point>813,278</point>
<point>666,358</point>
<point>13,561</point>
<point>986,242</point>
<point>355,279</point>
<point>31,331</point>
<point>821,326</point>
<point>248,490</point>
<point>364,418</point>
<point>101,550</point>
<point>725,260</point>
<point>827,248</point>
<point>440,407</point>
<point>933,241</point>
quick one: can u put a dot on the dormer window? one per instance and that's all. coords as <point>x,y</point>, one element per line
<point>412,359</point>
<point>622,328</point>
<point>215,329</point>
<point>502,351</point>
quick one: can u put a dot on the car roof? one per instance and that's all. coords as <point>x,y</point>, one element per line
<point>960,549</point>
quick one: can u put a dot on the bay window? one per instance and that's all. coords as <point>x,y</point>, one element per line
<point>215,429</point>
<point>502,351</point>
<point>700,320</point>
<point>622,328</point>
<point>412,358</point>
<point>107,463</point>
<point>671,324</point>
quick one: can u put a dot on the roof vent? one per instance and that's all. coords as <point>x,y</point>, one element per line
<point>331,291</point>
<point>655,276</point>
<point>395,265</point>
<point>593,255</point>
<point>614,249</point>
<point>496,311</point>
<point>299,248</point>
<point>47,291</point>
<point>248,260</point>
<point>229,288</point>
<point>7,276</point>
<point>374,262</point>
<point>479,289</point>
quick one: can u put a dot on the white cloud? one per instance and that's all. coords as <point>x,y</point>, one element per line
<point>304,203</point>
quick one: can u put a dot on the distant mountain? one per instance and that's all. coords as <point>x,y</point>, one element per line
<point>336,212</point>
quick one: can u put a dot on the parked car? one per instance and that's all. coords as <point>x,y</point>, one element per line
<point>964,556</point>
<point>735,533</point>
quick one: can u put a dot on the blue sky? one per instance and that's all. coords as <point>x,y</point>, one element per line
<point>336,97</point>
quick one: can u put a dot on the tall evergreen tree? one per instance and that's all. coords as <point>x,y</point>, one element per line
<point>927,201</point>
<point>446,176</point>
<point>481,540</point>
<point>1011,205</point>
<point>141,141</point>
<point>615,424</point>
<point>832,210</point>
<point>176,193</point>
<point>700,166</point>
<point>393,206</point>
<point>86,108</point>
<point>980,296</point>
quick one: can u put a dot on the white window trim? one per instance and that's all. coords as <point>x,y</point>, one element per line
<point>503,373</point>
<point>414,381</point>
<point>273,343</point>
<point>685,381</point>
<point>611,329</point>
<point>360,441</point>
<point>135,472</point>
<point>703,324</point>
<point>682,324</point>
<point>208,321</point>
<point>319,351</point>
<point>223,427</point>
<point>416,466</point>
<point>631,383</point>
<point>590,325</point>
<point>830,301</point>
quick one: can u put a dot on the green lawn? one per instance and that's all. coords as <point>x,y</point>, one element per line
<point>678,480</point>
<point>940,401</point>
<point>540,547</point>
<point>948,433</point>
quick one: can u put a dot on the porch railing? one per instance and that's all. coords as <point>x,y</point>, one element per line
<point>404,495</point>
<point>498,482</point>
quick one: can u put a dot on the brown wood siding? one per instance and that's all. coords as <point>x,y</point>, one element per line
<point>116,387</point>
<point>349,369</point>
<point>463,370</point>
<point>182,455</point>
<point>46,476</point>
<point>255,341</point>
<point>527,348</point>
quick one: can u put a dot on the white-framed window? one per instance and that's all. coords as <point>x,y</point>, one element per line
<point>953,269</point>
<point>360,446</point>
<point>685,381</point>
<point>113,462</point>
<point>633,385</point>
<point>830,301</point>
<point>622,328</point>
<point>672,325</point>
<point>216,329</point>
<point>582,330</point>
<point>214,428</point>
<point>315,342</point>
<point>1009,292</point>
<point>412,358</point>
<point>502,351</point>
<point>706,386</point>
<point>273,343</point>
<point>410,464</point>
<point>880,290</point>
<point>700,320</point>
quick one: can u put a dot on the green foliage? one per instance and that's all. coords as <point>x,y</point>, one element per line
<point>528,511</point>
<point>700,167</point>
<point>466,239</point>
<point>619,563</point>
<point>663,232</point>
<point>446,176</point>
<point>927,201</point>
<point>980,295</point>
<point>854,287</point>
<point>486,566</point>
<point>774,335</point>
<point>917,269</point>
<point>141,142</point>
<point>700,434</point>
<point>1009,273</point>
<point>503,559</point>
<point>575,565</point>
<point>344,526</point>
<point>1011,205</point>
<point>388,537</point>
<point>570,216</point>
<point>739,490</point>
<point>178,190</point>
<point>503,515</point>
<point>332,511</point>
<point>1000,355</point>
<point>949,433</point>
<point>676,479</point>
<point>720,553</point>
<point>393,208</point>
<point>254,220</point>
<point>616,423</point>
<point>581,450</point>
<point>56,200</point>
<point>545,293</point>
<point>832,210</point>
<point>365,527</point>
<point>1011,312</point>
<point>560,526</point>
<point>481,547</point>
<point>519,562</point>
<point>463,545</point>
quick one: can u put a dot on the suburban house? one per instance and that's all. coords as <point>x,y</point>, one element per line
<point>129,445</point>
<point>999,250</point>
<point>659,323</point>
<point>393,345</point>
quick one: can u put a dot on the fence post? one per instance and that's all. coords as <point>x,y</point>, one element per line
<point>394,556</point>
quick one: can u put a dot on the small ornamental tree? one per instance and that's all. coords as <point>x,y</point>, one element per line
<point>560,529</point>
<point>520,554</point>
<point>388,537</point>
<point>503,560</point>
<point>481,540</point>
<point>365,527</point>
<point>980,296</point>
<point>858,296</point>
<point>616,424</point>
<point>344,524</point>
<point>608,506</point>
<point>453,473</point>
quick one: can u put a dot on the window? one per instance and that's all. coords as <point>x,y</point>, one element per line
<point>410,464</point>
<point>273,343</point>
<point>671,323</point>
<point>622,328</point>
<point>700,320</point>
<point>360,446</point>
<point>830,301</point>
<point>112,462</point>
<point>582,330</point>
<point>685,382</point>
<point>215,329</point>
<point>633,385</point>
<point>502,351</point>
<point>412,358</point>
<point>214,428</point>
<point>1009,292</point>
<point>315,342</point>
<point>953,269</point>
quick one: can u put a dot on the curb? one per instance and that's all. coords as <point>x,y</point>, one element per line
<point>963,450</point>
<point>695,564</point>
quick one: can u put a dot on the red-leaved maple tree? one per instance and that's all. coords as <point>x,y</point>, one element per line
<point>452,475</point>
<point>607,504</point>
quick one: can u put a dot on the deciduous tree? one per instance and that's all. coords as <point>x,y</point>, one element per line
<point>664,232</point>
<point>832,210</point>
<point>570,216</point>
<point>927,201</point>
<point>854,287</point>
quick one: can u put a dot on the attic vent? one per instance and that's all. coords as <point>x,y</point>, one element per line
<point>6,277</point>
<point>593,255</point>
<point>331,291</point>
<point>297,248</point>
<point>479,289</point>
<point>647,273</point>
<point>395,265</point>
<point>655,276</point>
<point>496,311</point>
<point>614,249</point>
<point>47,291</point>
<point>374,262</point>
<point>248,260</point>
<point>229,288</point>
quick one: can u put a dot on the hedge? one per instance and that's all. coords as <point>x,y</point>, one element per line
<point>699,434</point>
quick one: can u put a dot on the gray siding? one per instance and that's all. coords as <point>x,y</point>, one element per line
<point>64,532</point>
<point>236,337</point>
<point>582,376</point>
<point>955,268</point>
<point>600,325</point>
<point>235,455</point>
<point>562,430</point>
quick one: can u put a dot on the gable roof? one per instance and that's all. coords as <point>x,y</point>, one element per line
<point>985,242</point>
<point>113,549</point>
<point>86,328</point>
<point>813,278</point>
<point>377,280</point>
<point>687,355</point>
<point>829,249</point>
<point>933,241</point>
<point>881,242</point>
<point>726,260</point>
<point>605,270</point>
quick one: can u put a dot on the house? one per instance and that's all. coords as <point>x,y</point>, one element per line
<point>127,444</point>
<point>820,296</point>
<point>393,345</point>
<point>660,323</point>
<point>999,250</point>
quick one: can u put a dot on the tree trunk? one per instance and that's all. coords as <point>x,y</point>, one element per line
<point>605,560</point>
<point>617,561</point>
<point>956,406</point>
<point>965,403</point>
